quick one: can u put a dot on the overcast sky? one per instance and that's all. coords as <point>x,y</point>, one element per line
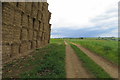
<point>84,18</point>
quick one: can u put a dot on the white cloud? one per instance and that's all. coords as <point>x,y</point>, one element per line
<point>78,13</point>
<point>105,24</point>
<point>57,36</point>
<point>95,15</point>
<point>55,31</point>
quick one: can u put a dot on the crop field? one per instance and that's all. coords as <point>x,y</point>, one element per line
<point>105,48</point>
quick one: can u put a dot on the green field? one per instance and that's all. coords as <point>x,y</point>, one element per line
<point>58,41</point>
<point>106,48</point>
<point>47,62</point>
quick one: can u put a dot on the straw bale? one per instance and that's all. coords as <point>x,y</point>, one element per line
<point>17,18</point>
<point>7,34</point>
<point>30,34</point>
<point>16,34</point>
<point>15,49</point>
<point>36,24</point>
<point>30,23</point>
<point>29,45</point>
<point>35,35</point>
<point>40,5</point>
<point>39,15</point>
<point>21,6</point>
<point>33,44</point>
<point>34,9</point>
<point>24,34</point>
<point>24,20</point>
<point>28,7</point>
<point>23,47</point>
<point>8,14</point>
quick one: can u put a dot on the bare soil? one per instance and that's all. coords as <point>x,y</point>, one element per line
<point>111,69</point>
<point>74,68</point>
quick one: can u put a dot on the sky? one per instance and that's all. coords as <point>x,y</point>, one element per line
<point>83,18</point>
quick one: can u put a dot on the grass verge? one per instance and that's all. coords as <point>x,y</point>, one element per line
<point>95,69</point>
<point>47,62</point>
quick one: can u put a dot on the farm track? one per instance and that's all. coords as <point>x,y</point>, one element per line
<point>74,66</point>
<point>111,69</point>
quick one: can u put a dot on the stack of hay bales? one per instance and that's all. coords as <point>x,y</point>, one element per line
<point>25,27</point>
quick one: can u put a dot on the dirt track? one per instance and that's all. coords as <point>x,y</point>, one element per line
<point>74,66</point>
<point>106,65</point>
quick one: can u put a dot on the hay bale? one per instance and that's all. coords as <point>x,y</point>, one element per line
<point>30,23</point>
<point>33,44</point>
<point>7,14</point>
<point>40,5</point>
<point>29,45</point>
<point>28,7</point>
<point>43,36</point>
<point>23,47</point>
<point>34,13</point>
<point>17,18</point>
<point>30,34</point>
<point>39,15</point>
<point>24,34</point>
<point>46,36</point>
<point>38,43</point>
<point>35,35</point>
<point>25,27</point>
<point>7,34</point>
<point>16,35</point>
<point>44,18</point>
<point>13,4</point>
<point>46,27</point>
<point>45,6</point>
<point>36,24</point>
<point>35,4</point>
<point>41,25</point>
<point>21,6</point>
<point>25,20</point>
<point>46,42</point>
<point>6,49</point>
<point>43,43</point>
<point>38,37</point>
<point>40,33</point>
<point>15,49</point>
<point>34,9</point>
<point>6,52</point>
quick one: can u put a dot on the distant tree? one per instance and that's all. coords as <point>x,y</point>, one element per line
<point>99,37</point>
<point>81,38</point>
